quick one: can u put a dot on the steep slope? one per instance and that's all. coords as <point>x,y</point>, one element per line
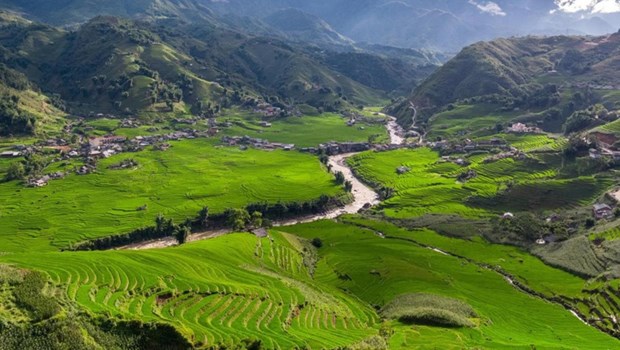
<point>509,67</point>
<point>121,66</point>
<point>23,109</point>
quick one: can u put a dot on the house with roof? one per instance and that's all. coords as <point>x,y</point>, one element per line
<point>602,211</point>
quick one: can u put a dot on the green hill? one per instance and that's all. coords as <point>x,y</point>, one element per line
<point>516,68</point>
<point>134,67</point>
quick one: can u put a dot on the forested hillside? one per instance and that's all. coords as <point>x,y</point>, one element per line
<point>517,71</point>
<point>201,68</point>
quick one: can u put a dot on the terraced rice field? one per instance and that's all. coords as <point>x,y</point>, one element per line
<point>378,269</point>
<point>534,143</point>
<point>613,127</point>
<point>177,183</point>
<point>470,119</point>
<point>238,287</point>
<point>609,232</point>
<point>215,292</point>
<point>431,186</point>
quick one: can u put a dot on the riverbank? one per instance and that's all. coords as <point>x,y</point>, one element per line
<point>363,197</point>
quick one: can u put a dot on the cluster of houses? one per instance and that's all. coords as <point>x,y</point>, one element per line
<point>457,161</point>
<point>86,169</point>
<point>520,128</point>
<point>43,180</point>
<point>130,123</point>
<point>245,141</point>
<point>470,146</point>
<point>606,146</point>
<point>104,147</point>
<point>332,148</point>
<point>125,164</point>
<point>597,154</point>
<point>513,153</point>
<point>267,110</point>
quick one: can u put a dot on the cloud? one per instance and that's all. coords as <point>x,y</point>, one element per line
<point>591,6</point>
<point>489,7</point>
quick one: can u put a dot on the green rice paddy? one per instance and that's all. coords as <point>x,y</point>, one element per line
<point>177,183</point>
<point>431,185</point>
<point>307,131</point>
<point>239,287</point>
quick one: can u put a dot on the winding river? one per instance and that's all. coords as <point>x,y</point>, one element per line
<point>363,196</point>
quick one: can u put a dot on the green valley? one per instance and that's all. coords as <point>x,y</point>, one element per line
<point>197,174</point>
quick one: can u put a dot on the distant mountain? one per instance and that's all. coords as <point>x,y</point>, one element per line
<point>446,25</point>
<point>304,27</point>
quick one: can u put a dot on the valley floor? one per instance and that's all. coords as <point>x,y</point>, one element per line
<point>321,281</point>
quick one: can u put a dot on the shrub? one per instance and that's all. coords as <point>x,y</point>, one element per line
<point>16,171</point>
<point>317,242</point>
<point>29,295</point>
<point>429,309</point>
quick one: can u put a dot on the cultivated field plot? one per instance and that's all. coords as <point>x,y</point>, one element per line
<point>431,185</point>
<point>467,119</point>
<point>612,128</point>
<point>377,269</point>
<point>177,183</point>
<point>307,131</point>
<point>286,293</point>
<point>220,291</point>
<point>532,143</point>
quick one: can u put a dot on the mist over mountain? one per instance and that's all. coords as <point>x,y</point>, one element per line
<point>442,25</point>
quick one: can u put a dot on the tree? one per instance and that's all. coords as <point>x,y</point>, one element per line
<point>170,105</point>
<point>348,186</point>
<point>16,171</point>
<point>203,216</point>
<point>257,219</point>
<point>182,233</point>
<point>237,219</point>
<point>164,226</point>
<point>317,242</point>
<point>34,164</point>
<point>340,178</point>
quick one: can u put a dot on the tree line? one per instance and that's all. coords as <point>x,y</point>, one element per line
<point>253,216</point>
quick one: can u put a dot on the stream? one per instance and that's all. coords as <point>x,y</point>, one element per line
<point>363,196</point>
